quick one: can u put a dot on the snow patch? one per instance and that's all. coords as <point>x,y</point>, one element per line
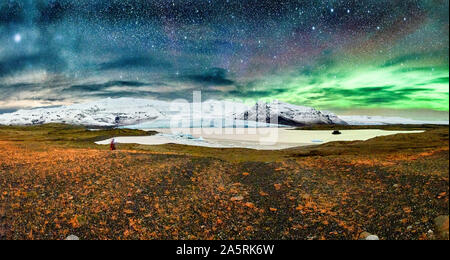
<point>380,120</point>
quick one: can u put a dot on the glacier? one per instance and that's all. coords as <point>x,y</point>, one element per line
<point>147,113</point>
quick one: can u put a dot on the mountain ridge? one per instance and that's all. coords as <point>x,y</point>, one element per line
<point>115,112</point>
<point>288,114</point>
<point>130,111</point>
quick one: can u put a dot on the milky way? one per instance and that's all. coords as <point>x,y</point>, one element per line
<point>341,55</point>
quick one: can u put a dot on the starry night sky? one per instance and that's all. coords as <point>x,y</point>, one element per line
<point>355,55</point>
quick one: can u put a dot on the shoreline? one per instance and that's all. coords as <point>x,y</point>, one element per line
<point>257,139</point>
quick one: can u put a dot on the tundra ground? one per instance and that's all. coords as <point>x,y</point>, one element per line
<point>54,181</point>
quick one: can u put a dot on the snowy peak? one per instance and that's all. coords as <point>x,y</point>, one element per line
<point>106,112</point>
<point>130,111</point>
<point>287,114</point>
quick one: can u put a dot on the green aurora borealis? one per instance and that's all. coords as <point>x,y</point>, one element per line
<point>394,86</point>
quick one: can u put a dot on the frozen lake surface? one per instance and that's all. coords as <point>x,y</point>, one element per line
<point>251,138</point>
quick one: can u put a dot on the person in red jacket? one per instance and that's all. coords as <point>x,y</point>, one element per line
<point>112,146</point>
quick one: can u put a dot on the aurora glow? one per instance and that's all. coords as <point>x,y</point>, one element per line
<point>329,54</point>
<point>363,86</point>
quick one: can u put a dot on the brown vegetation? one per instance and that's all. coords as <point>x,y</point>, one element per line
<point>54,182</point>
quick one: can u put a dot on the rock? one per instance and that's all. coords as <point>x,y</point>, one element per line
<point>372,237</point>
<point>237,198</point>
<point>364,235</point>
<point>441,227</point>
<point>311,237</point>
<point>430,234</point>
<point>367,236</point>
<point>72,238</point>
<point>336,132</point>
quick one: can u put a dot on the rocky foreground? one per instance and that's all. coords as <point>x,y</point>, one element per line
<point>51,189</point>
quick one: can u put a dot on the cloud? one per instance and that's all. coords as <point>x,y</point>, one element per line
<point>43,60</point>
<point>137,62</point>
<point>138,89</point>
<point>102,86</point>
<point>249,91</point>
<point>13,89</point>
<point>213,77</point>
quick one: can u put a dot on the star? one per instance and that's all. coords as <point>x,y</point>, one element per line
<point>18,38</point>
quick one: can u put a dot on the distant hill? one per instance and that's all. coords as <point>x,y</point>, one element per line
<point>147,113</point>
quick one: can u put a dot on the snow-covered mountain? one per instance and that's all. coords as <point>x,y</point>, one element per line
<point>161,114</point>
<point>381,120</point>
<point>287,114</point>
<point>146,113</point>
<point>106,112</point>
